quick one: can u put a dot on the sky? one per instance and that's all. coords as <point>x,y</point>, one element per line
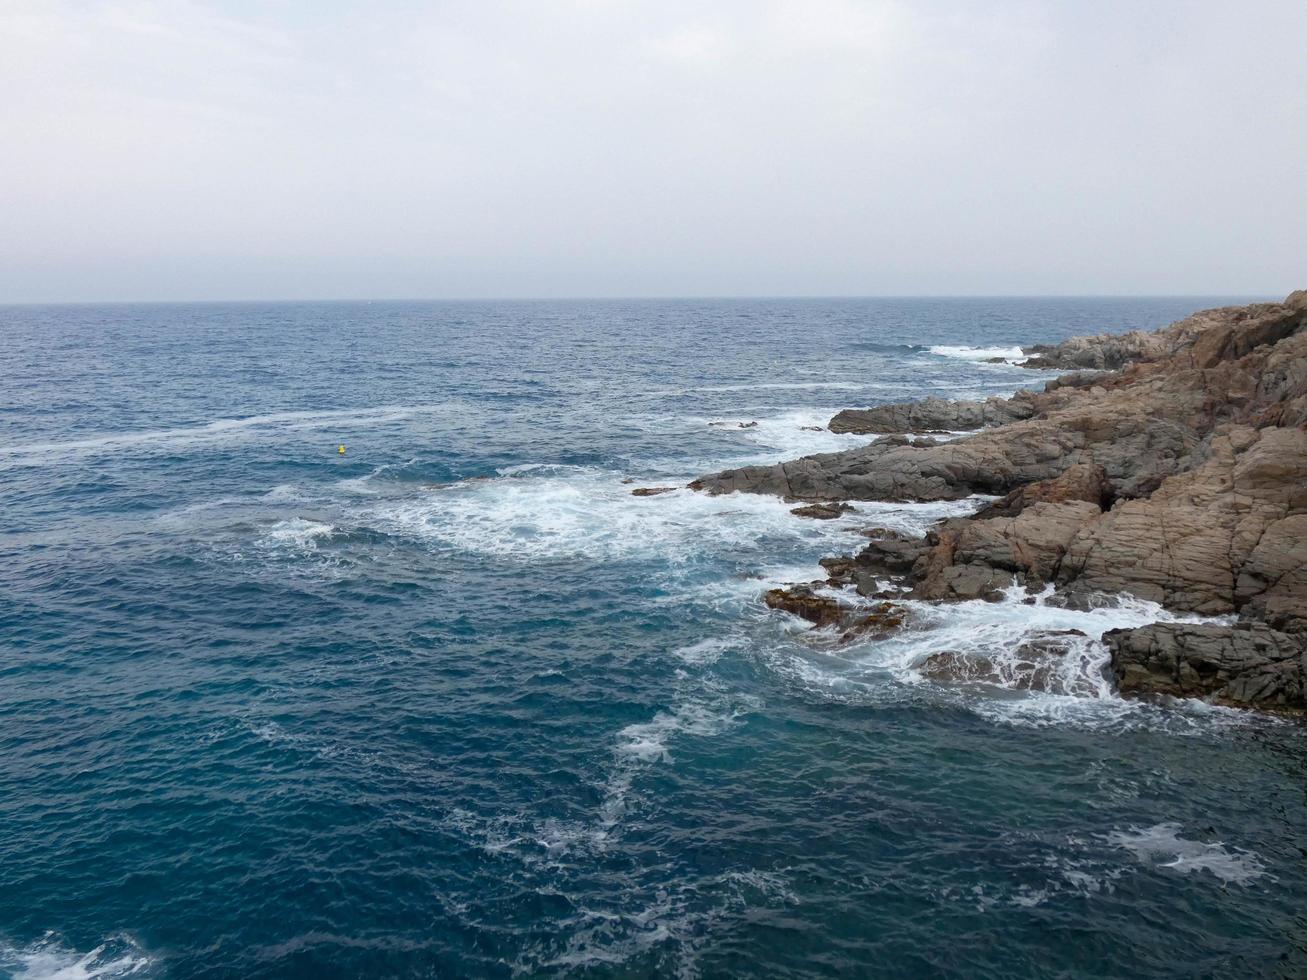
<point>298,149</point>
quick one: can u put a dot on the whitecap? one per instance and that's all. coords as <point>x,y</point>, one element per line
<point>49,959</point>
<point>587,513</point>
<point>1012,354</point>
<point>298,533</point>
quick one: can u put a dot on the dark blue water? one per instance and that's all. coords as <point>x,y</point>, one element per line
<point>457,704</point>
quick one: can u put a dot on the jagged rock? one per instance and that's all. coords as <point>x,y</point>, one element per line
<point>891,553</point>
<point>1084,482</point>
<point>823,611</point>
<point>885,617</point>
<point>822,512</point>
<point>933,415</point>
<point>1227,535</point>
<point>802,601</point>
<point>1248,665</point>
<point>811,428</point>
<point>748,425</point>
<point>1076,379</point>
<point>651,491</point>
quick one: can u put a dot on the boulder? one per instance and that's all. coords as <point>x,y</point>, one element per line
<point>1247,665</point>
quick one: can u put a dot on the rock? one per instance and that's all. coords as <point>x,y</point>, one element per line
<point>1033,666</point>
<point>811,428</point>
<point>1083,482</point>
<point>1228,535</point>
<point>932,415</point>
<point>883,618</point>
<point>821,512</point>
<point>823,611</point>
<point>1248,665</point>
<point>651,491</point>
<point>1171,466</point>
<point>802,601</point>
<point>747,425</point>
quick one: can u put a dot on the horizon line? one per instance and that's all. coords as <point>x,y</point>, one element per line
<point>720,297</point>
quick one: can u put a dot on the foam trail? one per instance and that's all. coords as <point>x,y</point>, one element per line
<point>210,432</point>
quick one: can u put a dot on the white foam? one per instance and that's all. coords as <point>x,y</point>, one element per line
<point>117,956</point>
<point>1162,846</point>
<point>298,533</point>
<point>1078,692</point>
<point>570,512</point>
<point>219,430</point>
<point>785,435</point>
<point>706,651</point>
<point>771,386</point>
<point>1014,355</point>
<point>647,741</point>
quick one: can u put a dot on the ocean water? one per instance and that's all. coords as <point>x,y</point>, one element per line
<point>457,704</point>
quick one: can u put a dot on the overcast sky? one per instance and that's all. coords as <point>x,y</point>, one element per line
<point>315,149</point>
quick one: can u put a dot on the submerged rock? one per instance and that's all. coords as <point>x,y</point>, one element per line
<point>1036,665</point>
<point>651,491</point>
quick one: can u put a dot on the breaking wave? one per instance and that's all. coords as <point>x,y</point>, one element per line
<point>1011,354</point>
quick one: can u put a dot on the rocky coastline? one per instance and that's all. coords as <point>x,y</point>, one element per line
<point>1170,466</point>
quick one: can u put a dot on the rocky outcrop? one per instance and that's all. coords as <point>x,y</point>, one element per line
<point>1248,666</point>
<point>1227,535</point>
<point>934,415</point>
<point>825,611</point>
<point>1171,466</point>
<point>822,512</point>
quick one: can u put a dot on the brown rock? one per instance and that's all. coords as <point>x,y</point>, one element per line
<point>651,491</point>
<point>802,601</point>
<point>821,512</point>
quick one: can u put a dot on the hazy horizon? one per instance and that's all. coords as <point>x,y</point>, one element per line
<point>615,149</point>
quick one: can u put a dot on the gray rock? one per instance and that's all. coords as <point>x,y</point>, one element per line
<point>1248,665</point>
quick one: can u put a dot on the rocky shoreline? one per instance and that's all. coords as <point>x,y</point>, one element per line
<point>1170,466</point>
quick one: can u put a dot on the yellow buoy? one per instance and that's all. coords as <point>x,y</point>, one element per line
<point>341,450</point>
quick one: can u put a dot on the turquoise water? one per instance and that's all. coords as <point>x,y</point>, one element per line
<point>457,704</point>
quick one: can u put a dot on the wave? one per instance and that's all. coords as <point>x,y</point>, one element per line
<point>50,959</point>
<point>1010,354</point>
<point>990,678</point>
<point>298,532</point>
<point>578,512</point>
<point>45,453</point>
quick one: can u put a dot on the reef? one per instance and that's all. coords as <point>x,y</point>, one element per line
<point>1170,466</point>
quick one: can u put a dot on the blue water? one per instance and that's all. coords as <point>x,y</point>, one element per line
<point>457,704</point>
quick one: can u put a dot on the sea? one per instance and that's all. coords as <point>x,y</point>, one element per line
<point>455,703</point>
